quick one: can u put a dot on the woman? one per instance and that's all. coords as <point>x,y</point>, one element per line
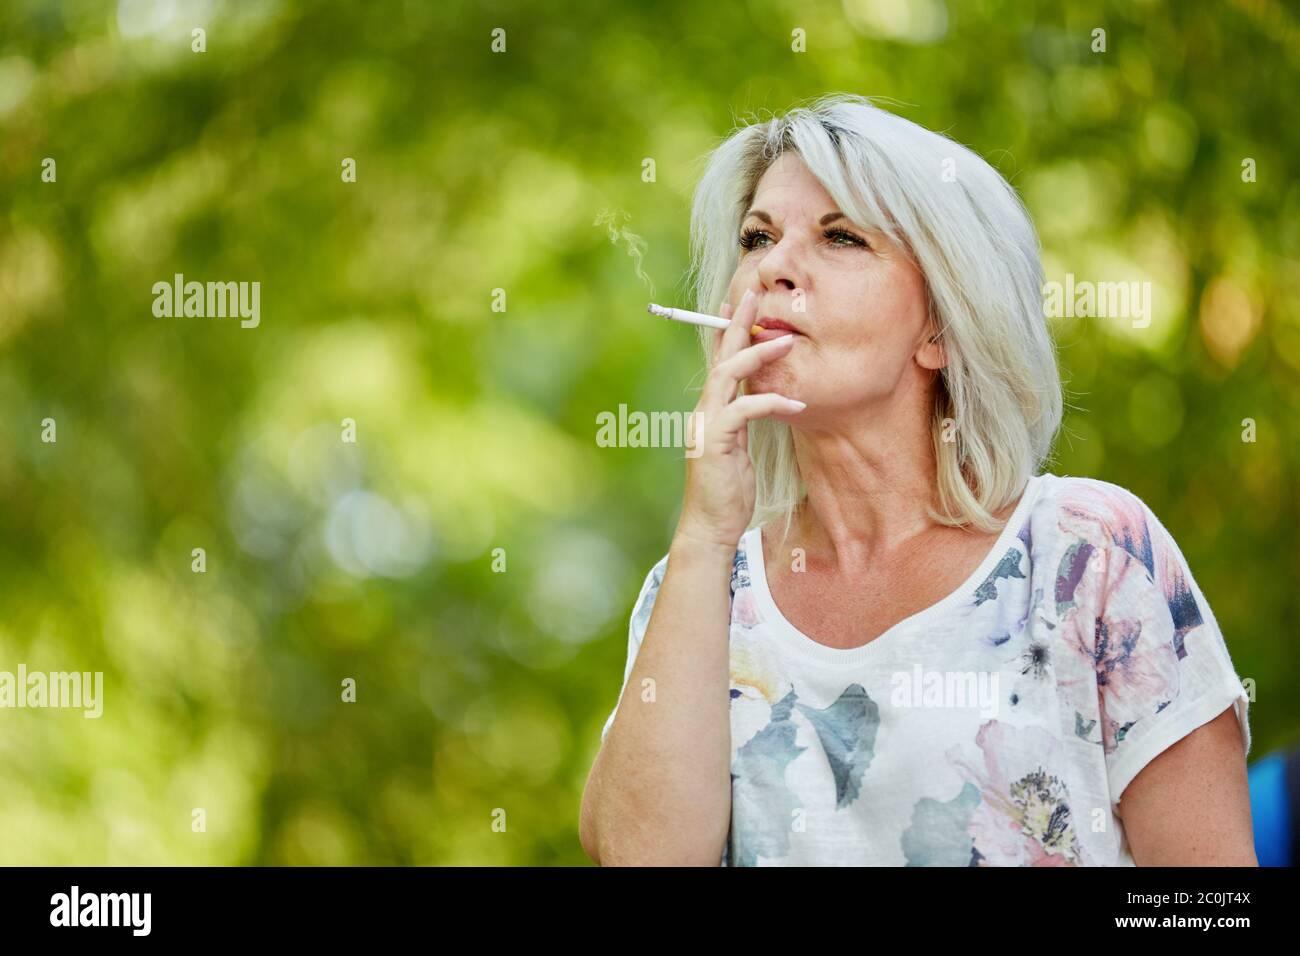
<point>934,655</point>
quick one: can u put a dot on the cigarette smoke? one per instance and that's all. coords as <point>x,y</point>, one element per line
<point>612,220</point>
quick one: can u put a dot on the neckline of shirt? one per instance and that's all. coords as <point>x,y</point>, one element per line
<point>804,646</point>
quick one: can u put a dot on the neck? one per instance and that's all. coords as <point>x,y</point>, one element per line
<point>869,481</point>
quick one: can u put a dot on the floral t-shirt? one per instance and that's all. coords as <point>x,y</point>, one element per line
<point>997,727</point>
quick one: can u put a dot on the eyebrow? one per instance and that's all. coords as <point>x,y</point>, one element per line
<point>825,220</point>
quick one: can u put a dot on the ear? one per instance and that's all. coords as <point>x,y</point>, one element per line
<point>931,353</point>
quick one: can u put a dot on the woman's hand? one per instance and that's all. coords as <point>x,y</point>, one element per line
<point>720,490</point>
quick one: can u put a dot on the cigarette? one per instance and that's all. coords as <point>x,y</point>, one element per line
<point>694,318</point>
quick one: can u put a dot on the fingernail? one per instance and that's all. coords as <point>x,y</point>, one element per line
<point>797,404</point>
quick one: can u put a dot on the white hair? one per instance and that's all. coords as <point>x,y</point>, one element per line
<point>973,241</point>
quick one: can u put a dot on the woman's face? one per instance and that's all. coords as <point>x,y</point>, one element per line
<point>855,299</point>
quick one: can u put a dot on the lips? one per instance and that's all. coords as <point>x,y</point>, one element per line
<point>774,328</point>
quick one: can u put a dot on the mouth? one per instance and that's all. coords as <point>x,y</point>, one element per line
<point>774,328</point>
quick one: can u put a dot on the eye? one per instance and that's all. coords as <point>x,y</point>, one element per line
<point>835,234</point>
<point>749,237</point>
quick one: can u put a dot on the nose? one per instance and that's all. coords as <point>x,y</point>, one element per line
<point>782,266</point>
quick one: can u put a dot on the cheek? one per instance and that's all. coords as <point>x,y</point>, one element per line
<point>882,336</point>
<point>843,372</point>
<point>740,281</point>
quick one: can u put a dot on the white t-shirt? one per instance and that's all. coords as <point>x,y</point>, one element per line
<point>997,727</point>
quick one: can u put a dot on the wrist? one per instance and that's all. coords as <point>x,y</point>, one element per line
<point>687,546</point>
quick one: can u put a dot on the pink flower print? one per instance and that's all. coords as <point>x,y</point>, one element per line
<point>1108,517</point>
<point>1121,624</point>
<point>744,608</point>
<point>1024,816</point>
<point>1104,514</point>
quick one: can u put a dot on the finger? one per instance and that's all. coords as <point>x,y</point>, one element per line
<point>725,377</point>
<point>716,351</point>
<point>747,408</point>
<point>736,336</point>
<point>723,383</point>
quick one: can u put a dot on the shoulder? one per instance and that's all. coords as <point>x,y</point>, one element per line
<point>1104,516</point>
<point>1109,529</point>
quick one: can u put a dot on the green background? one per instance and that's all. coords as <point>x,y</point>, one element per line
<point>476,429</point>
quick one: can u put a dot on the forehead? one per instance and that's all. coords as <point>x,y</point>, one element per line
<point>789,181</point>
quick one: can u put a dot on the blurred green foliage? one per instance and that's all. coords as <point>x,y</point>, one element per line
<point>479,171</point>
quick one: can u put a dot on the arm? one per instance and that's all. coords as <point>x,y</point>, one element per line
<point>660,789</point>
<point>1190,806</point>
<point>659,792</point>
<point>1173,712</point>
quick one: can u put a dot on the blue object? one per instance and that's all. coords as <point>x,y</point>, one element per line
<point>1271,809</point>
